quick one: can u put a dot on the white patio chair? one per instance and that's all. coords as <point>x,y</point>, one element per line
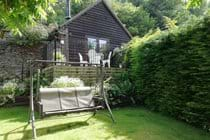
<point>94,57</point>
<point>82,61</point>
<point>108,61</point>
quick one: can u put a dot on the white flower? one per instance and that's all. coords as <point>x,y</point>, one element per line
<point>65,81</point>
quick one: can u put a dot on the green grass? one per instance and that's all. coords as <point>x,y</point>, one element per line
<point>132,124</point>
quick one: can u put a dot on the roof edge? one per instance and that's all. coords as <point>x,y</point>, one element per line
<point>117,18</point>
<point>81,13</point>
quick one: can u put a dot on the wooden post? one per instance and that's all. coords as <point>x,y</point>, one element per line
<point>38,84</point>
<point>55,50</point>
<point>32,117</point>
<point>103,94</point>
<point>101,78</point>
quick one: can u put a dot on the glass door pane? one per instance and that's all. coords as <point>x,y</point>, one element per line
<point>92,43</point>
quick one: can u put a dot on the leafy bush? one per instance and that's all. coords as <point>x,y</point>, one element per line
<point>13,87</point>
<point>170,71</point>
<point>59,56</point>
<point>31,36</point>
<point>118,56</point>
<point>9,90</point>
<point>65,81</point>
<point>20,90</point>
<point>120,90</point>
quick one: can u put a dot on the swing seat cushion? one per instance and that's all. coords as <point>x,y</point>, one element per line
<point>59,99</point>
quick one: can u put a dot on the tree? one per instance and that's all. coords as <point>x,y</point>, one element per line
<point>137,20</point>
<point>16,15</point>
<point>59,15</point>
<point>160,8</point>
<point>173,9</point>
<point>134,2</point>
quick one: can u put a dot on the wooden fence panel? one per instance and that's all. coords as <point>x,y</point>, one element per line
<point>88,74</point>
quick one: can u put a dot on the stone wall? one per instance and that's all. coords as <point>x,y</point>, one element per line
<point>13,60</point>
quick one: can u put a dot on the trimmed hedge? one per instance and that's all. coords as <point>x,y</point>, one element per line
<point>171,72</point>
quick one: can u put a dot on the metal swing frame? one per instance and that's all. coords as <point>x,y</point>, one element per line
<point>32,110</point>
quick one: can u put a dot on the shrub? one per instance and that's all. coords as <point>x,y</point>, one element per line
<point>43,81</point>
<point>20,90</point>
<point>170,71</point>
<point>118,56</point>
<point>59,56</point>
<point>65,81</point>
<point>120,90</point>
<point>8,91</point>
<point>9,88</point>
<point>12,88</point>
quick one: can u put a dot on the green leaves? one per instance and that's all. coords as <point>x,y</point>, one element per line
<point>120,90</point>
<point>170,71</point>
<point>194,3</point>
<point>17,15</point>
<point>137,20</point>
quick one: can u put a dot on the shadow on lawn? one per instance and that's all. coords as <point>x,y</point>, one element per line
<point>27,134</point>
<point>120,129</point>
<point>139,123</point>
<point>20,114</point>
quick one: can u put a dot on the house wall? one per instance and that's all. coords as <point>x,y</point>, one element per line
<point>96,22</point>
<point>13,60</point>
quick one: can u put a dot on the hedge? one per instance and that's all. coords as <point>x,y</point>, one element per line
<point>171,72</point>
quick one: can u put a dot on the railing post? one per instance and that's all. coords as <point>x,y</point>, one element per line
<point>32,116</point>
<point>101,78</point>
<point>38,84</point>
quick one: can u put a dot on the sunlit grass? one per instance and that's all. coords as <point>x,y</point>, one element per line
<point>132,124</point>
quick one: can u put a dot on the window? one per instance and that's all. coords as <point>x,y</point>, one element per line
<point>98,44</point>
<point>92,43</point>
<point>103,43</point>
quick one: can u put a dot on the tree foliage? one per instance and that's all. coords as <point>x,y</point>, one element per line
<point>194,3</point>
<point>169,23</point>
<point>60,10</point>
<point>137,20</point>
<point>160,8</point>
<point>174,9</point>
<point>139,16</point>
<point>16,15</point>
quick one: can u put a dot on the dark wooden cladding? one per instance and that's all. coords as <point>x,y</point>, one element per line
<point>77,45</point>
<point>97,22</point>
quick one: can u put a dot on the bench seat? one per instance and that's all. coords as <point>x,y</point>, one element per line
<point>54,100</point>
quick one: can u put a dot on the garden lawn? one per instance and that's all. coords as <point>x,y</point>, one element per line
<point>132,124</point>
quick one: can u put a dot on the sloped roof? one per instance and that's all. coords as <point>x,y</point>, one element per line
<point>90,7</point>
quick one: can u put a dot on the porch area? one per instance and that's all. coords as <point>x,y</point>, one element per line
<point>86,50</point>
